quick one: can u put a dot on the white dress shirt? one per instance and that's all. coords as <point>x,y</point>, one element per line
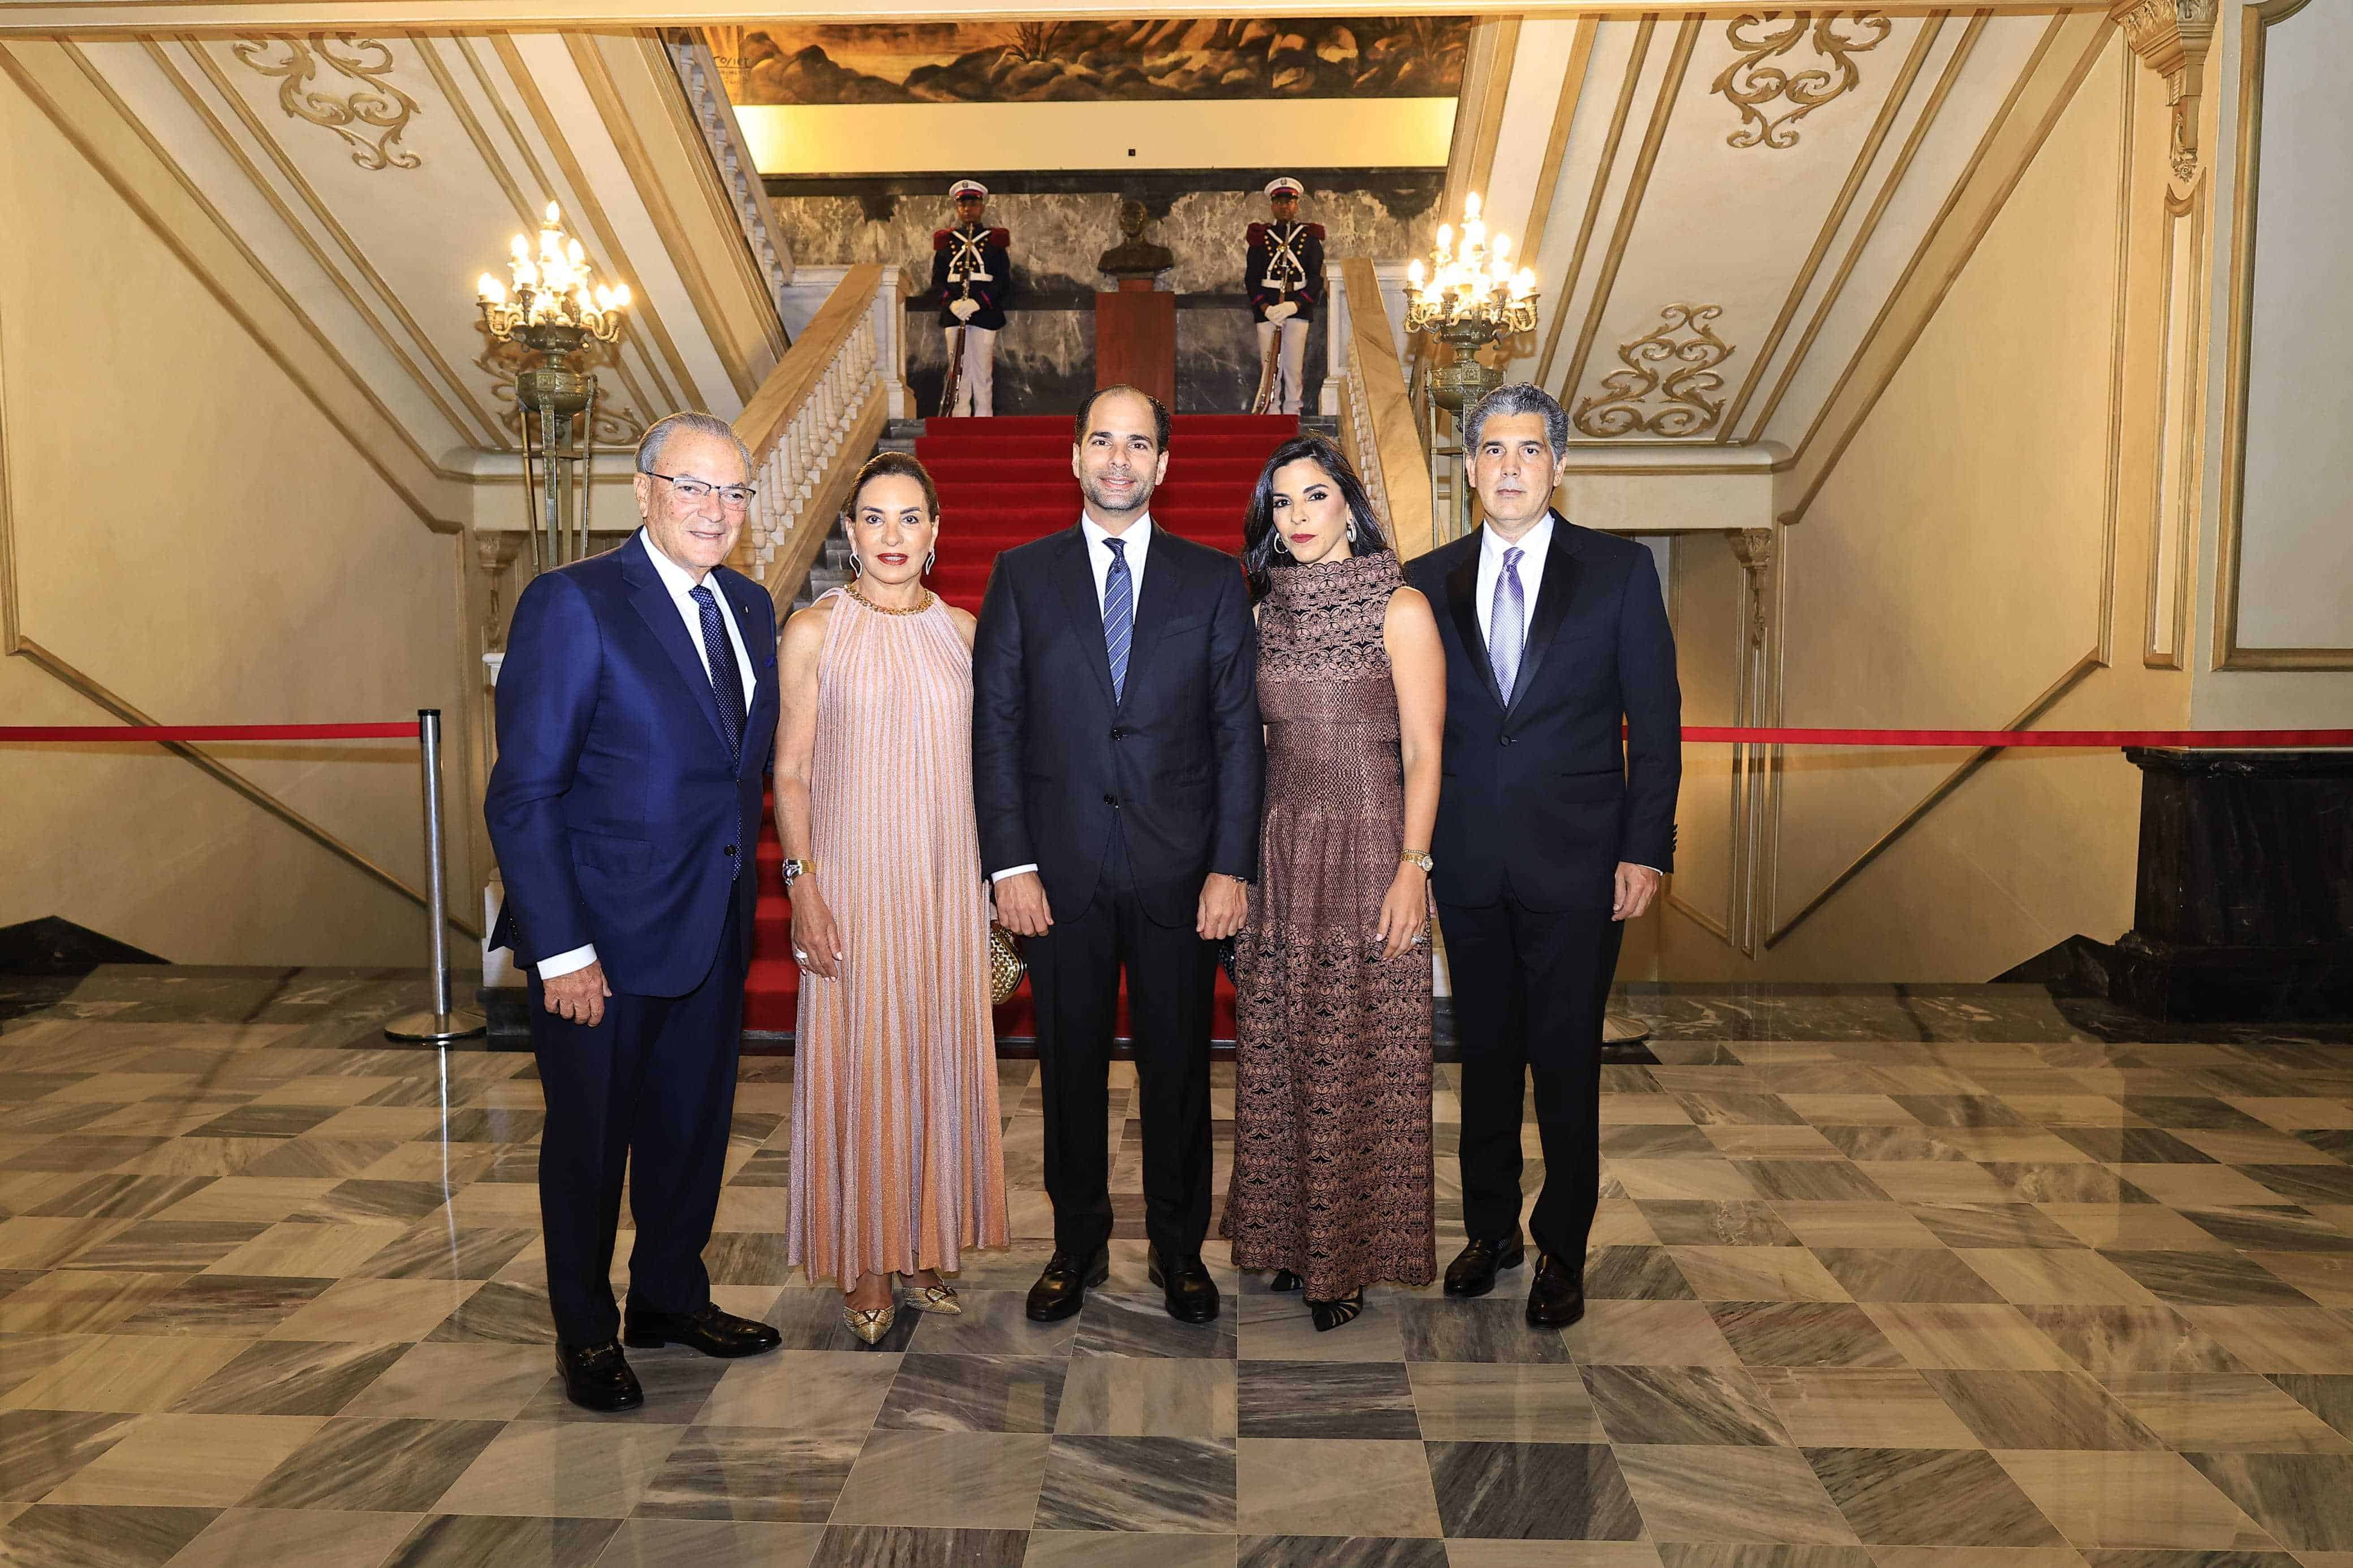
<point>1534,545</point>
<point>681,584</point>
<point>1136,545</point>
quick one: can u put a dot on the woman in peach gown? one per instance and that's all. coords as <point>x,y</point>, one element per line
<point>897,1164</point>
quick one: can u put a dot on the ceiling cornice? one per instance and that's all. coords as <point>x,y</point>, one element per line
<point>553,15</point>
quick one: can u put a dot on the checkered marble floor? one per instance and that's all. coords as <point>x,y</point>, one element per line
<point>1905,1281</point>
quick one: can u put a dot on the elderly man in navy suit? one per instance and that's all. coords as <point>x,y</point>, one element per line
<point>1551,832</point>
<point>637,712</point>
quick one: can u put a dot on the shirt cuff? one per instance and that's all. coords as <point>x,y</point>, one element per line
<point>1653,871</point>
<point>564,964</point>
<point>1011,871</point>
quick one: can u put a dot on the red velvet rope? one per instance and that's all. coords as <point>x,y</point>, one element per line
<point>406,731</point>
<point>2205,740</point>
<point>2208,740</point>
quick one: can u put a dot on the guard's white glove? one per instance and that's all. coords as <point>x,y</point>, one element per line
<point>1282,313</point>
<point>964,309</point>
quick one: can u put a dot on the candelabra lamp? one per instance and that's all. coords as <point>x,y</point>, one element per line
<point>555,311</point>
<point>1467,299</point>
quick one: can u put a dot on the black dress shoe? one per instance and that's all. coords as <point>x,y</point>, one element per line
<point>1062,1289</point>
<point>1192,1294</point>
<point>710,1330</point>
<point>1472,1272</point>
<point>1556,1295</point>
<point>597,1377</point>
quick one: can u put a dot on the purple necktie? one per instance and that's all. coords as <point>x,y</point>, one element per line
<point>1507,624</point>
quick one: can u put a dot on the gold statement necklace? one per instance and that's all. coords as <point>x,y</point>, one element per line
<point>852,589</point>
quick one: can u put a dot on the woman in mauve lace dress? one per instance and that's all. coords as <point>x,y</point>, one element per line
<point>1332,1135</point>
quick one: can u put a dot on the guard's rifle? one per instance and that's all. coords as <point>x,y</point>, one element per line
<point>959,272</point>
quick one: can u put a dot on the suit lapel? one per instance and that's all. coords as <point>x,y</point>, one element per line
<point>1074,575</point>
<point>1158,598</point>
<point>758,634</point>
<point>652,602</point>
<point>1553,594</point>
<point>1463,599</point>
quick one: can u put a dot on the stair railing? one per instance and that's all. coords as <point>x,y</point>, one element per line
<point>1378,426</point>
<point>814,421</point>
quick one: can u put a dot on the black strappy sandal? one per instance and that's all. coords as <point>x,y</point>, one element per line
<point>1330,1315</point>
<point>1285,1281</point>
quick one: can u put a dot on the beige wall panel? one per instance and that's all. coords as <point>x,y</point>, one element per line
<point>1621,502</point>
<point>887,138</point>
<point>1709,645</point>
<point>190,532</point>
<point>2296,584</point>
<point>1953,570</point>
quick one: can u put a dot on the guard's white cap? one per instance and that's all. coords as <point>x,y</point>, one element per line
<point>969,188</point>
<point>1286,185</point>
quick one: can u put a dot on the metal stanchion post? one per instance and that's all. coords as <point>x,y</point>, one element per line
<point>443,1022</point>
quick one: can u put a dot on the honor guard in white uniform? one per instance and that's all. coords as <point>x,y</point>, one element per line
<point>971,275</point>
<point>1283,272</point>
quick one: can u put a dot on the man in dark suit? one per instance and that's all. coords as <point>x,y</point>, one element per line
<point>1550,836</point>
<point>1117,763</point>
<point>637,709</point>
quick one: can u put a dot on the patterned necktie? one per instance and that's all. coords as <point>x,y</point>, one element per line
<point>1507,624</point>
<point>727,680</point>
<point>1118,614</point>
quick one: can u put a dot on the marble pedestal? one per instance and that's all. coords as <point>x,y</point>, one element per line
<point>2243,908</point>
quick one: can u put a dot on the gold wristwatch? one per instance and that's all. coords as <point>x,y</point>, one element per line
<point>1422,860</point>
<point>795,870</point>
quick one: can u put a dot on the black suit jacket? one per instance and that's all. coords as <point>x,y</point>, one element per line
<point>1541,800</point>
<point>1178,760</point>
<point>618,815</point>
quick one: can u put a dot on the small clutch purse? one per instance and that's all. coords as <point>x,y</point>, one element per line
<point>1006,965</point>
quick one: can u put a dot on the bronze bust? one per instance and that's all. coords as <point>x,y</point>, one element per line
<point>1133,255</point>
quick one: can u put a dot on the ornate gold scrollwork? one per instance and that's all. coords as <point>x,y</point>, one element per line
<point>370,115</point>
<point>1750,84</point>
<point>1615,410</point>
<point>503,359</point>
<point>2171,37</point>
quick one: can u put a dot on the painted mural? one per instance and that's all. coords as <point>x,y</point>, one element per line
<point>1040,62</point>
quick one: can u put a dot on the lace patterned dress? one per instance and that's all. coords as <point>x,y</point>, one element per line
<point>1332,1135</point>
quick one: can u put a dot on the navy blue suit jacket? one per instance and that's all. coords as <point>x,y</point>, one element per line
<point>1178,757</point>
<point>617,817</point>
<point>1542,798</point>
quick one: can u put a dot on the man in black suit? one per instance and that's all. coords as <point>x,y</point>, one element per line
<point>1550,836</point>
<point>1117,763</point>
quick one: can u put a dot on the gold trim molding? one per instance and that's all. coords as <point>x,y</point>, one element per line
<point>370,115</point>
<point>1683,337</point>
<point>1751,85</point>
<point>2171,37</point>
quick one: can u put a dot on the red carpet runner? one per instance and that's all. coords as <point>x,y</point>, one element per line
<point>1004,482</point>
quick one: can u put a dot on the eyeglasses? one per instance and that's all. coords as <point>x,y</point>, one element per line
<point>735,498</point>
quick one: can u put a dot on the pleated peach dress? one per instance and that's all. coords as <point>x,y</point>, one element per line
<point>898,1160</point>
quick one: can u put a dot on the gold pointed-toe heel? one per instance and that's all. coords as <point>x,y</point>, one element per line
<point>870,1323</point>
<point>941,1297</point>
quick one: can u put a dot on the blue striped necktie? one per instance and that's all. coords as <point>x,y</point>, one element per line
<point>1118,614</point>
<point>727,680</point>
